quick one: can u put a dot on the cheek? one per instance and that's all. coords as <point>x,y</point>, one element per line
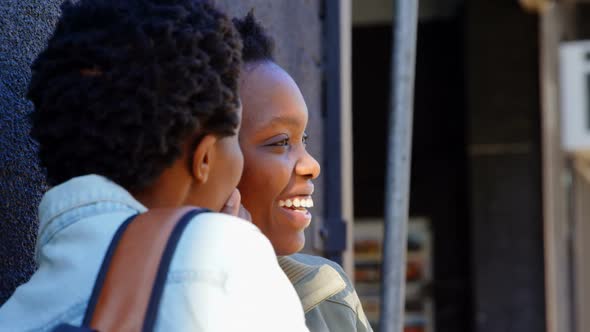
<point>255,184</point>
<point>228,175</point>
<point>233,160</point>
<point>263,180</point>
<point>238,165</point>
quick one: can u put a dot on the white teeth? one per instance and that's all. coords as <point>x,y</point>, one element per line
<point>297,203</point>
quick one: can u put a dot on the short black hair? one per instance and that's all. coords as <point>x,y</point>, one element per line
<point>257,44</point>
<point>124,84</point>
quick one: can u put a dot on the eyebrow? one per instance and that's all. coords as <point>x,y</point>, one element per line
<point>287,121</point>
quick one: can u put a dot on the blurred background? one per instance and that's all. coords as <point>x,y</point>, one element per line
<point>500,185</point>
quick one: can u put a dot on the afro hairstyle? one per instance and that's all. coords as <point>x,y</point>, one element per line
<point>122,86</point>
<point>257,44</point>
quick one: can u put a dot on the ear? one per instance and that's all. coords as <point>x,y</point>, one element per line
<point>202,157</point>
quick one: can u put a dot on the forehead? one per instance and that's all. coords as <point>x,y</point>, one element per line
<point>270,97</point>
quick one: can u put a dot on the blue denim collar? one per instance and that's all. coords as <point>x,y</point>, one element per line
<point>80,192</point>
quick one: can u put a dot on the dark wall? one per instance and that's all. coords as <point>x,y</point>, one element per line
<point>24,27</point>
<point>503,106</point>
<point>439,177</point>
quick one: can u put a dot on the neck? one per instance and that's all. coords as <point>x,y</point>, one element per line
<point>170,189</point>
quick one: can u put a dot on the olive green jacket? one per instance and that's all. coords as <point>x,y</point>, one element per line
<point>329,300</point>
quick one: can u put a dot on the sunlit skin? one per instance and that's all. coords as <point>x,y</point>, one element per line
<point>277,166</point>
<point>205,175</point>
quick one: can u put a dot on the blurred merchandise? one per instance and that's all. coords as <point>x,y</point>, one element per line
<point>367,250</point>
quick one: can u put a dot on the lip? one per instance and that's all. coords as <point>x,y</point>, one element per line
<point>296,219</point>
<point>305,192</point>
<point>297,194</point>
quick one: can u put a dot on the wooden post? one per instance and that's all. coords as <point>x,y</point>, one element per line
<point>553,25</point>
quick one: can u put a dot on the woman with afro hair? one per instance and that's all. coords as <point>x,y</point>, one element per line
<point>137,107</point>
<point>277,183</point>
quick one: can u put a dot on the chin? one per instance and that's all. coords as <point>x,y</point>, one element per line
<point>293,246</point>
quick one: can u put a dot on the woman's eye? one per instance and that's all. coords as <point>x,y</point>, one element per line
<point>283,142</point>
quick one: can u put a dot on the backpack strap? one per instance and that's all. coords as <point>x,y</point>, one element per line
<point>131,281</point>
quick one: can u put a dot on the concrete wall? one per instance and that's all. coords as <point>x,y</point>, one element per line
<point>24,27</point>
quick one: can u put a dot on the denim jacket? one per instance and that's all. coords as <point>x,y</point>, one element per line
<point>224,275</point>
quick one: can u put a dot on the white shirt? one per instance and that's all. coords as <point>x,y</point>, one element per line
<point>224,275</point>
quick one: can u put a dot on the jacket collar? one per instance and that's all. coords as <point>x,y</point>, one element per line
<point>313,283</point>
<point>82,191</point>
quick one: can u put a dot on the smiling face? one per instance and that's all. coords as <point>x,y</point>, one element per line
<point>276,185</point>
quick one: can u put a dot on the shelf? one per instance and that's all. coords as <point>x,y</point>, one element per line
<point>367,258</point>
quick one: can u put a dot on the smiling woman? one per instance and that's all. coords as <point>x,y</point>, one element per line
<point>277,185</point>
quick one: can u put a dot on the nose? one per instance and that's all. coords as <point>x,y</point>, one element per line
<point>307,166</point>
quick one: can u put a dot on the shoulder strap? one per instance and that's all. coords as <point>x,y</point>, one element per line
<point>129,287</point>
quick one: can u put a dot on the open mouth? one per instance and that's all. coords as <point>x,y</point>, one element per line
<point>296,211</point>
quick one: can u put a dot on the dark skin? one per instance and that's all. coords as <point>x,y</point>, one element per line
<point>278,171</point>
<point>209,182</point>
